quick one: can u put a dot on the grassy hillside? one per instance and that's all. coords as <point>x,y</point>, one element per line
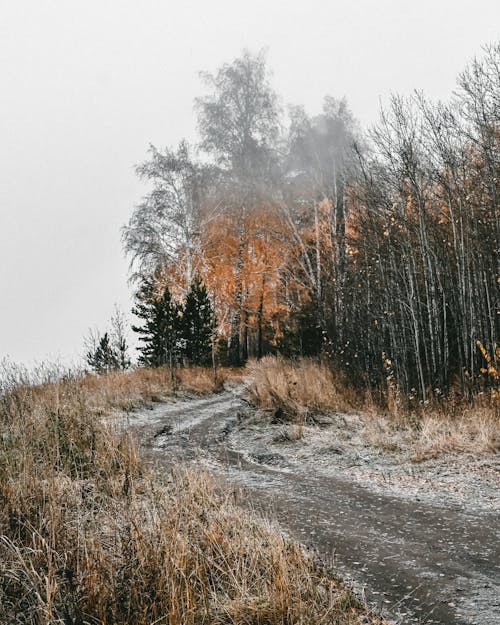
<point>88,535</point>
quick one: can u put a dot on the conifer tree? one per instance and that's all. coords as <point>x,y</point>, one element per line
<point>108,351</point>
<point>198,324</point>
<point>103,358</point>
<point>123,361</point>
<point>159,333</point>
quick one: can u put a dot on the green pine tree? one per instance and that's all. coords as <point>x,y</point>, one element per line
<point>198,325</point>
<point>103,358</point>
<point>109,351</point>
<point>159,333</point>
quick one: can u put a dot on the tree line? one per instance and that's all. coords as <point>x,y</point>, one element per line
<point>171,333</point>
<point>174,333</point>
<point>377,250</point>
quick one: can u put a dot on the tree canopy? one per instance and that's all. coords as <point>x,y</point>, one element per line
<point>314,237</point>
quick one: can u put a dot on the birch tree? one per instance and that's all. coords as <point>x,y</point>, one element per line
<point>238,121</point>
<point>165,227</point>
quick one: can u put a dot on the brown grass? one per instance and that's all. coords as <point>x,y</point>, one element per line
<point>89,536</point>
<point>298,389</point>
<point>441,426</point>
<point>130,389</point>
<point>475,431</point>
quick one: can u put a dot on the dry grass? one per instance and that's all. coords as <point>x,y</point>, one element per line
<point>475,431</point>
<point>298,388</point>
<point>440,426</point>
<point>201,380</point>
<point>89,536</point>
<point>130,389</point>
<point>123,390</point>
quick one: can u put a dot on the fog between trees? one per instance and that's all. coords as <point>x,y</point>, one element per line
<point>376,250</point>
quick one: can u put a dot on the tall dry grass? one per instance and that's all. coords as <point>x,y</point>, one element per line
<point>130,389</point>
<point>441,425</point>
<point>89,536</point>
<point>298,389</point>
<point>471,431</point>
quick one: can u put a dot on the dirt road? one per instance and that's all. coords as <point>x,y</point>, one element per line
<point>417,562</point>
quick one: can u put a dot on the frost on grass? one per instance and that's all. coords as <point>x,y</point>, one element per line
<point>89,534</point>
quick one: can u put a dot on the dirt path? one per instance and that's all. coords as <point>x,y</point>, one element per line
<point>419,563</point>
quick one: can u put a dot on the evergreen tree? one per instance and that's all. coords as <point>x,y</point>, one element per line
<point>159,333</point>
<point>198,324</point>
<point>104,357</point>
<point>108,351</point>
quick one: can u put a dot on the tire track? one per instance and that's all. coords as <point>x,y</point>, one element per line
<point>416,562</point>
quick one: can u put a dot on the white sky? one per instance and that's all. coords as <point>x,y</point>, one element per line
<point>86,85</point>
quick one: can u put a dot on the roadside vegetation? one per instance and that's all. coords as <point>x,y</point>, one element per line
<point>296,389</point>
<point>303,392</point>
<point>88,535</point>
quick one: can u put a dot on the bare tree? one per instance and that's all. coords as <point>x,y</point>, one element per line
<point>320,164</point>
<point>164,228</point>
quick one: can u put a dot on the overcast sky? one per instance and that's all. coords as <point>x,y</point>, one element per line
<point>87,85</point>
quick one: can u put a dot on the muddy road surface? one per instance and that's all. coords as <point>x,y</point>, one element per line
<point>416,562</point>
